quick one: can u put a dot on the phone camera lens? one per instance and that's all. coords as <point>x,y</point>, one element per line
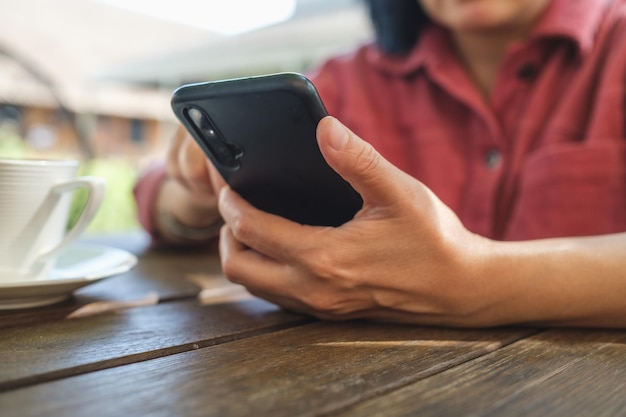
<point>223,152</point>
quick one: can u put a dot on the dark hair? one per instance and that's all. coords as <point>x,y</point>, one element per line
<point>397,24</point>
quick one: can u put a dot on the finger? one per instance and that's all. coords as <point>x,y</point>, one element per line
<point>266,233</point>
<point>255,271</point>
<point>217,181</point>
<point>359,163</point>
<point>172,166</point>
<point>192,164</point>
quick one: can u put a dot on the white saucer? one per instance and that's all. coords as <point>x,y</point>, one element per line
<point>76,267</point>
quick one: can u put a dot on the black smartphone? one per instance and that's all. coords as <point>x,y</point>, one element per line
<point>260,133</point>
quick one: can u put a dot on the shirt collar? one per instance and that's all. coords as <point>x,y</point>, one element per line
<point>575,21</point>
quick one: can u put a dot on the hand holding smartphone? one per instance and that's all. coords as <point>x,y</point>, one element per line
<point>260,133</point>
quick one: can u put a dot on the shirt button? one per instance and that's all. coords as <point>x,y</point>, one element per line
<point>493,159</point>
<point>527,72</point>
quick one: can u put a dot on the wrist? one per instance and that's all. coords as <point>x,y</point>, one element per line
<point>528,285</point>
<point>486,286</point>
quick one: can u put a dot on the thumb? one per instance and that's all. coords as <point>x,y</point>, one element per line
<point>371,175</point>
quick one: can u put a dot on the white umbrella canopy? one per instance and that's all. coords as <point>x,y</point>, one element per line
<point>55,45</point>
<point>101,59</point>
<point>319,29</point>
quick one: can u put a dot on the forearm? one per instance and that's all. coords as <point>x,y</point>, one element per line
<point>565,282</point>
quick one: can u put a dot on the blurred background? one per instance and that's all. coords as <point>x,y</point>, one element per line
<point>92,79</point>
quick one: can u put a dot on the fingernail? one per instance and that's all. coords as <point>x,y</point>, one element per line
<point>338,135</point>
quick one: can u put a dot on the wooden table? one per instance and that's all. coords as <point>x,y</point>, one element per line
<point>173,338</point>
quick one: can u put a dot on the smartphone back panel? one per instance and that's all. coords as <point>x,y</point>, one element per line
<point>259,132</point>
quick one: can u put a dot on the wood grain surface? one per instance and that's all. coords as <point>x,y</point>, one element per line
<point>307,370</point>
<point>163,270</point>
<point>555,373</point>
<point>51,350</point>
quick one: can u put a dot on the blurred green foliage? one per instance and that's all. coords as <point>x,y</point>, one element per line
<point>11,145</point>
<point>118,212</point>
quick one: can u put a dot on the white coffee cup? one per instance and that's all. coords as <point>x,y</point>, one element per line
<point>35,199</point>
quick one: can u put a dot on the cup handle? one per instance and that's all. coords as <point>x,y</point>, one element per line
<point>96,187</point>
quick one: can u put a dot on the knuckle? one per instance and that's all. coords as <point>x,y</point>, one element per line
<point>334,269</point>
<point>320,264</point>
<point>368,159</point>
<point>329,306</point>
<point>334,297</point>
<point>241,227</point>
<point>320,303</point>
<point>171,166</point>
